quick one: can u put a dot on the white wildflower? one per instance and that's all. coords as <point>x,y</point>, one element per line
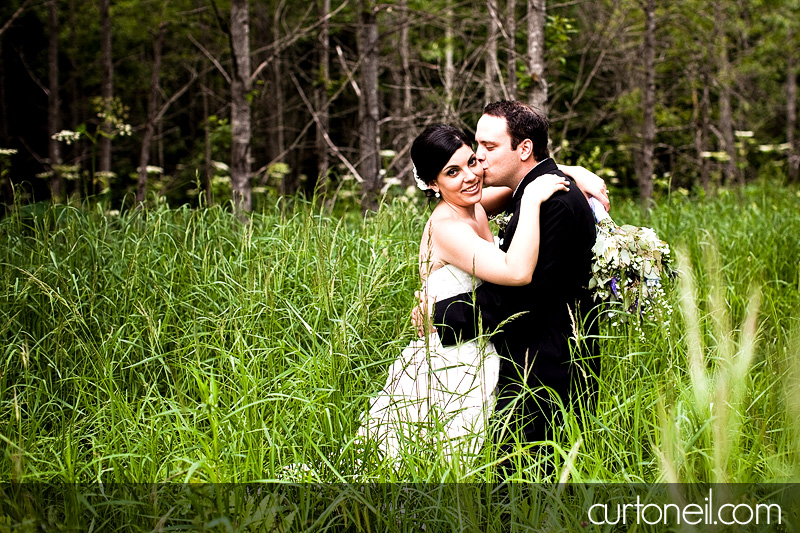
<point>150,169</point>
<point>67,136</point>
<point>125,130</point>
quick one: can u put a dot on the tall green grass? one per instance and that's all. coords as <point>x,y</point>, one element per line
<point>180,345</point>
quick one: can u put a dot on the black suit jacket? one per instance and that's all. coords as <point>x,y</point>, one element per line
<point>538,341</point>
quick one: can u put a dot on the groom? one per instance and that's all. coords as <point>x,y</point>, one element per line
<point>543,363</point>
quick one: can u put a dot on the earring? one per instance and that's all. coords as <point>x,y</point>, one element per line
<point>437,195</point>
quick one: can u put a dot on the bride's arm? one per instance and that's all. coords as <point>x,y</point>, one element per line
<point>461,246</point>
<point>495,199</point>
<point>590,184</point>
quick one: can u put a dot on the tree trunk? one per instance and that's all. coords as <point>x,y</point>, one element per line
<point>724,81</point>
<point>3,106</point>
<point>53,103</point>
<point>240,107</point>
<point>74,91</point>
<point>791,114</point>
<point>405,135</point>
<point>323,157</point>
<point>700,120</point>
<point>537,91</point>
<point>449,68</point>
<point>106,86</point>
<point>492,66</point>
<point>645,170</point>
<point>369,141</point>
<point>152,110</point>
<point>280,123</point>
<point>207,172</point>
<point>287,185</point>
<point>511,27</point>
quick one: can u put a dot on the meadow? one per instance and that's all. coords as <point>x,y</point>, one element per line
<point>177,345</point>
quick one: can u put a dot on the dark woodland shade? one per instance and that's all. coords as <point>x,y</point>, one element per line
<point>434,147</point>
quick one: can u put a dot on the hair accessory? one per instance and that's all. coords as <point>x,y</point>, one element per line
<point>420,184</point>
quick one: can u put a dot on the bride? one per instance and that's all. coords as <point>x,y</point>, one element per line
<point>440,398</point>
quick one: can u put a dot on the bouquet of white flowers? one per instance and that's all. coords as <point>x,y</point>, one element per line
<point>629,265</point>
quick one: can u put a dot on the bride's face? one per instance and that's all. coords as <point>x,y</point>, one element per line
<point>461,180</point>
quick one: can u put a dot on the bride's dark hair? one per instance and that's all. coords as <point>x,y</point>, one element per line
<point>433,148</point>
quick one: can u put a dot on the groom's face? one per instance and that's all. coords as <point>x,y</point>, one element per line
<point>501,164</point>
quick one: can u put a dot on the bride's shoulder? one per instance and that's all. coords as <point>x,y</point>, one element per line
<point>443,223</point>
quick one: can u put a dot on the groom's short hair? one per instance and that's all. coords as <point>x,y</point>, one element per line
<point>523,122</point>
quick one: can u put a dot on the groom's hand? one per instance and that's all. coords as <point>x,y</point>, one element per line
<point>421,314</point>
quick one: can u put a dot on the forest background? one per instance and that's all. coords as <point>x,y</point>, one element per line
<point>270,98</point>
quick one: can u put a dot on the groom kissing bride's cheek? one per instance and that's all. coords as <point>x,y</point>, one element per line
<point>529,295</point>
<point>537,348</point>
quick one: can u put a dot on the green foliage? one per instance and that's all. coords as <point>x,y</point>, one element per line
<point>180,345</point>
<point>177,345</point>
<point>558,33</point>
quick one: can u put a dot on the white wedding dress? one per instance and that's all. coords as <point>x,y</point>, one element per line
<point>436,397</point>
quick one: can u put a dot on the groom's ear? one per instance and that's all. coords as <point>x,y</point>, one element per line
<point>525,149</point>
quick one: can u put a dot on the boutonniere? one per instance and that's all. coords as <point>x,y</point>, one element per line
<point>502,220</point>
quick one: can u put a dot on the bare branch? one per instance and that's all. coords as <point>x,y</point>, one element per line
<point>350,75</point>
<point>291,37</point>
<point>211,58</point>
<point>333,147</point>
<point>14,17</point>
<point>30,72</point>
<point>175,96</point>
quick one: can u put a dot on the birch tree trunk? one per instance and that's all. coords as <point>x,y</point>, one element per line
<point>449,68</point>
<point>645,166</point>
<point>106,85</point>
<point>511,27</point>
<point>491,63</point>
<point>406,110</point>
<point>152,109</point>
<point>53,103</point>
<point>537,92</point>
<point>402,124</point>
<point>791,113</point>
<point>240,107</point>
<point>369,142</point>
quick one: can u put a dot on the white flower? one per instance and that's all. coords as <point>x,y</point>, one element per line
<point>124,130</point>
<point>420,184</point>
<point>7,151</point>
<point>67,136</point>
<point>150,169</point>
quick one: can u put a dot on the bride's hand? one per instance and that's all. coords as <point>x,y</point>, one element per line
<point>543,187</point>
